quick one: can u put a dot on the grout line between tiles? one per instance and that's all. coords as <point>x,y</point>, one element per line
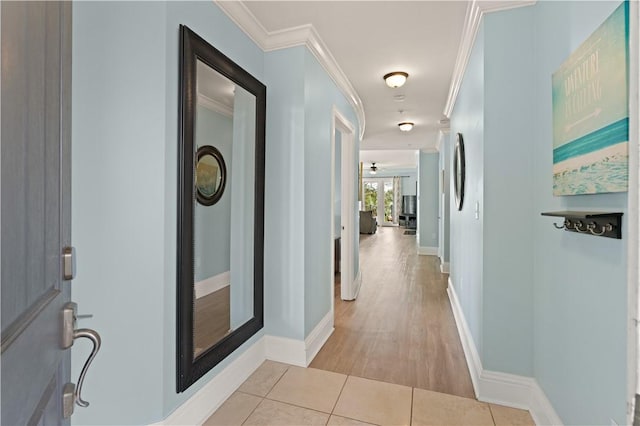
<point>493,419</point>
<point>411,408</point>
<point>254,409</point>
<point>339,394</point>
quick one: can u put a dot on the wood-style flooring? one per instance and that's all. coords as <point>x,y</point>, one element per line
<point>211,319</point>
<point>401,328</point>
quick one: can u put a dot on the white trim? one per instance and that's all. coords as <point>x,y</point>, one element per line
<point>318,337</point>
<point>215,106</point>
<point>197,409</point>
<point>541,409</point>
<point>357,283</point>
<point>475,12</point>
<point>288,351</point>
<point>339,122</point>
<point>468,346</point>
<point>427,251</point>
<point>444,267</point>
<point>211,284</point>
<point>500,388</point>
<point>304,35</point>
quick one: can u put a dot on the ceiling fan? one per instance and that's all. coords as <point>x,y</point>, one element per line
<point>373,168</point>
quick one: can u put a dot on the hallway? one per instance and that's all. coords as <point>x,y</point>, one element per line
<point>400,329</point>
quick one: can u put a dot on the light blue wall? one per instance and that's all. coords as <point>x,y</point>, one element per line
<point>507,208</point>
<point>125,113</point>
<point>284,194</point>
<point>549,304</point>
<point>213,223</point>
<point>321,94</point>
<point>580,289</point>
<point>428,203</point>
<point>118,204</point>
<point>466,249</point>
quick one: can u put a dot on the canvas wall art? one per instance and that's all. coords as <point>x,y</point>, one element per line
<point>591,113</point>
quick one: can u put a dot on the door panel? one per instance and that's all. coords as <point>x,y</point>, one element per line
<point>35,202</point>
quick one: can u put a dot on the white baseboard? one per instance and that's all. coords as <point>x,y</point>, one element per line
<point>501,388</point>
<point>444,267</point>
<point>318,336</point>
<point>541,408</point>
<point>211,284</point>
<point>357,283</point>
<point>427,251</point>
<point>197,409</point>
<point>468,346</point>
<point>288,351</point>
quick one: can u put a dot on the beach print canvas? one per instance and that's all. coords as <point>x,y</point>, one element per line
<point>591,113</point>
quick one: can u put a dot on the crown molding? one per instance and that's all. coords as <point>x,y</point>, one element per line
<point>215,106</point>
<point>475,11</point>
<point>304,35</point>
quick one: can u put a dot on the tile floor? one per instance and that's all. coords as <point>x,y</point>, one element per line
<point>280,394</point>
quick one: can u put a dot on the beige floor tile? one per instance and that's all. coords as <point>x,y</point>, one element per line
<point>375,402</point>
<point>235,410</point>
<point>273,413</point>
<point>309,388</point>
<point>263,379</point>
<point>433,408</point>
<point>503,416</point>
<point>343,421</point>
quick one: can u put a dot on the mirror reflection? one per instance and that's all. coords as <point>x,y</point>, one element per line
<point>223,208</point>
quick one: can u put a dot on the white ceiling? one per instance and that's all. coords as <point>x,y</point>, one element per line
<point>371,38</point>
<point>389,159</point>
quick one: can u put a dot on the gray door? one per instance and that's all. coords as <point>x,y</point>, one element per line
<point>35,212</point>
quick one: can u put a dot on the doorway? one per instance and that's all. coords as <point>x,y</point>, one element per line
<point>343,208</point>
<point>380,198</point>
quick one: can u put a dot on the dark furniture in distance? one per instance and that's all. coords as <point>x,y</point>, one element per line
<point>408,217</point>
<point>368,223</point>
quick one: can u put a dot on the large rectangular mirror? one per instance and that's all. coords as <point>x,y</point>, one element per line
<point>220,208</point>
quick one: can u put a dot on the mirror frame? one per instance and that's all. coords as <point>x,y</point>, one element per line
<point>459,158</point>
<point>192,49</point>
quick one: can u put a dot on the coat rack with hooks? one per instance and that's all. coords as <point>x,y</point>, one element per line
<point>600,224</point>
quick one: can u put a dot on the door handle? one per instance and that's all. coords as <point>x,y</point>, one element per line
<point>72,393</point>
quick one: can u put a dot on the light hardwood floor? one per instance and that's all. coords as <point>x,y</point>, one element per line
<point>211,319</point>
<point>401,328</point>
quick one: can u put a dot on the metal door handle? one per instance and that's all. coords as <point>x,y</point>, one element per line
<point>95,338</point>
<point>71,392</point>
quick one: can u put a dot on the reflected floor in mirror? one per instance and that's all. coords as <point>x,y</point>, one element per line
<point>212,320</point>
<point>281,394</point>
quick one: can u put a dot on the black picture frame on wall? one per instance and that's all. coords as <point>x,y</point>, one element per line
<point>459,170</point>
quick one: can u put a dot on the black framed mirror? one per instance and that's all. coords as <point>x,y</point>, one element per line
<point>459,170</point>
<point>220,208</point>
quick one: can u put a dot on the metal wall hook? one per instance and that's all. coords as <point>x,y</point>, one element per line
<point>599,224</point>
<point>605,228</point>
<point>578,227</point>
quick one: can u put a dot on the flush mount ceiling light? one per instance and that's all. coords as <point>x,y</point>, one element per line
<point>395,79</point>
<point>405,126</point>
<point>373,168</point>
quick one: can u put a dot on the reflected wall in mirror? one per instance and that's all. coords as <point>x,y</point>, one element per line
<point>221,208</point>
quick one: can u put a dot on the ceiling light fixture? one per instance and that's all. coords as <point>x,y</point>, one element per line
<point>373,168</point>
<point>405,126</point>
<point>395,79</point>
